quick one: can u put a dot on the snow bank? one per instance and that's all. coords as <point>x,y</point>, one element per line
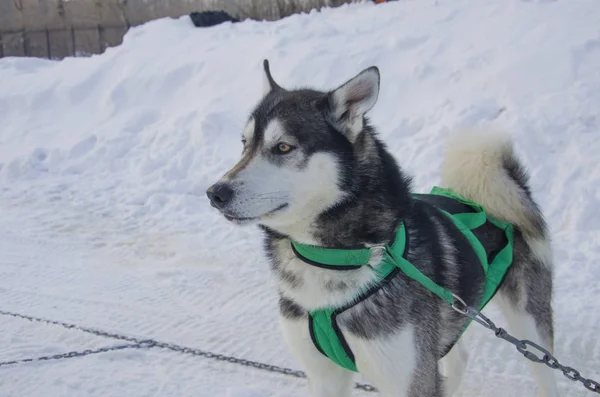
<point>104,162</point>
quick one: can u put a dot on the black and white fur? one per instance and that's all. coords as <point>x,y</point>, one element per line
<point>314,171</point>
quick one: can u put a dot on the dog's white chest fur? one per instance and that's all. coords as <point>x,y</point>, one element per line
<point>315,288</point>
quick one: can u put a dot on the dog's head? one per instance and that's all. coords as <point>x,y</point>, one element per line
<point>298,153</point>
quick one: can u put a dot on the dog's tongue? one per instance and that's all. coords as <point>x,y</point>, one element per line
<point>231,219</point>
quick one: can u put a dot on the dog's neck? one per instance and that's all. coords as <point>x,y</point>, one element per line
<point>377,202</point>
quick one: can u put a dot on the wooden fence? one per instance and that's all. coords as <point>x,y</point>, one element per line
<point>59,28</point>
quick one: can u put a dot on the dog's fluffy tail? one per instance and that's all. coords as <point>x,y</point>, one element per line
<point>482,166</point>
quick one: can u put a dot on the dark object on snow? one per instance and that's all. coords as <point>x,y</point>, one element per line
<point>211,18</point>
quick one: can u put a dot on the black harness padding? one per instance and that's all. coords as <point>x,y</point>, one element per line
<point>492,238</point>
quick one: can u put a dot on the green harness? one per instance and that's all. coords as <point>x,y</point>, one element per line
<point>324,330</point>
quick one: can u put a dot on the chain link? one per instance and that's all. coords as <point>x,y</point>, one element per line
<point>77,353</point>
<point>531,350</point>
<point>525,347</point>
<point>73,326</point>
<point>150,343</point>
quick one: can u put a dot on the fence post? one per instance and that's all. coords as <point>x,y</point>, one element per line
<point>11,21</point>
<point>60,38</point>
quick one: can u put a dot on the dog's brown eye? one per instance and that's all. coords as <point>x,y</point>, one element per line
<point>284,148</point>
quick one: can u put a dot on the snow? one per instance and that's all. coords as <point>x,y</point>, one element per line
<point>104,162</point>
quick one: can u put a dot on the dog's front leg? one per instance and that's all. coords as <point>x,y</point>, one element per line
<point>326,379</point>
<point>399,365</point>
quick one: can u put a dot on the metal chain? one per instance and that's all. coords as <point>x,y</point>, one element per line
<point>150,343</point>
<point>248,363</point>
<point>77,353</point>
<point>73,326</point>
<point>525,347</point>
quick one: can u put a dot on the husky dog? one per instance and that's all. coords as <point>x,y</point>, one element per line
<point>313,171</point>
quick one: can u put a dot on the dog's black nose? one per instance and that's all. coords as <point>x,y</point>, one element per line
<point>219,194</point>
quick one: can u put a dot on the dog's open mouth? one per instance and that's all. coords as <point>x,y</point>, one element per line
<point>241,220</point>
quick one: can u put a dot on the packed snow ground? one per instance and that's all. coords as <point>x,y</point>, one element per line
<point>104,162</point>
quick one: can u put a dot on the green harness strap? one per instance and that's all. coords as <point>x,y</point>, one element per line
<point>323,327</point>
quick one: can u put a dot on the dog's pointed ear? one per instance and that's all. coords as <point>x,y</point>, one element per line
<point>269,83</point>
<point>349,102</point>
